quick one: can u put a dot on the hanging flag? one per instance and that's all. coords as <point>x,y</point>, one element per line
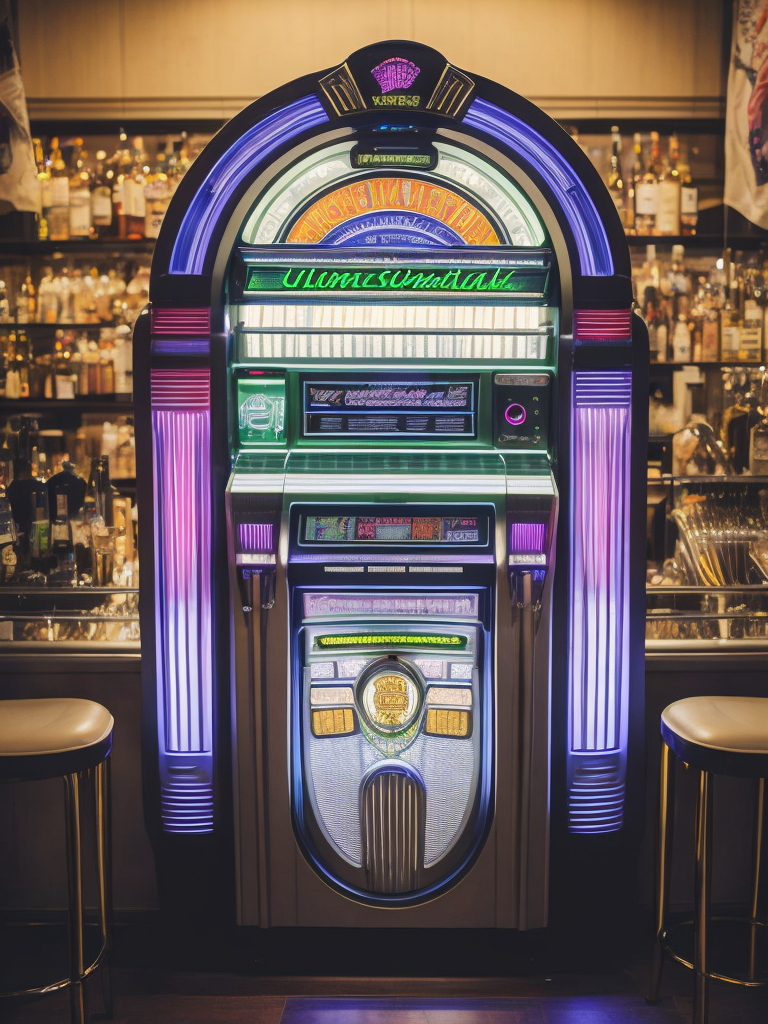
<point>19,185</point>
<point>746,122</point>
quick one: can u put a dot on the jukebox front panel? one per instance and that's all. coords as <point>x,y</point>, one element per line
<point>392,695</point>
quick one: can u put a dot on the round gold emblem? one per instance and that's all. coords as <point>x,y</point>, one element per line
<point>390,700</point>
<point>389,696</point>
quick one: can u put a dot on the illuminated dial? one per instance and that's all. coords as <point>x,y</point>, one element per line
<point>515,414</point>
<point>390,699</point>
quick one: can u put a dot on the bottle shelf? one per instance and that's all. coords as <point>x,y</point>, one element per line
<point>706,366</point>
<point>714,243</point>
<point>8,590</point>
<point>38,325</point>
<point>115,247</point>
<point>86,403</point>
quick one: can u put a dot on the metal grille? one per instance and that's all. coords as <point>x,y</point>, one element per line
<point>180,322</point>
<point>602,324</point>
<point>596,797</point>
<point>393,804</point>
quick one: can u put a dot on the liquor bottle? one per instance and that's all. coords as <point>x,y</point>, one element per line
<point>668,214</point>
<point>101,198</point>
<point>646,193</point>
<point>9,547</point>
<point>122,170</point>
<point>5,306</point>
<point>662,333</point>
<point>44,186</point>
<point>681,333</point>
<point>40,531</point>
<point>635,177</point>
<point>100,488</point>
<point>751,338</point>
<point>615,180</point>
<point>25,304</point>
<point>62,546</point>
<point>58,213</point>
<point>64,385</point>
<point>133,192</point>
<point>758,436</point>
<point>730,315</point>
<point>68,484</point>
<point>123,360</point>
<point>79,193</point>
<point>157,195</point>
<point>689,202</point>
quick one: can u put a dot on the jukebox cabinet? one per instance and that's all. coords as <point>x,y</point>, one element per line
<point>385,389</point>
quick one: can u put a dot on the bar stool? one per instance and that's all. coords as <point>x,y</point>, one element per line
<point>43,739</point>
<point>717,736</point>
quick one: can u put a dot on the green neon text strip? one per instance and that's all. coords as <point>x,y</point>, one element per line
<point>452,641</point>
<point>363,279</point>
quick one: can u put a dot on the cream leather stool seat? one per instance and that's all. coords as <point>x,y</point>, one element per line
<point>61,736</point>
<point>716,736</point>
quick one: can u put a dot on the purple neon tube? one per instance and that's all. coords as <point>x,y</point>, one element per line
<point>181,443</point>
<point>527,538</point>
<point>256,537</point>
<point>599,620</point>
<point>229,171</point>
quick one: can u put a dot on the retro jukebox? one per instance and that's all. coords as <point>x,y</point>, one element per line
<point>392,605</point>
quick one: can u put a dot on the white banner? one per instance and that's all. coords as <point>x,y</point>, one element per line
<point>19,185</point>
<point>746,123</point>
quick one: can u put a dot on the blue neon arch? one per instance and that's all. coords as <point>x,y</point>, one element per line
<point>235,165</point>
<point>575,201</point>
<point>253,148</point>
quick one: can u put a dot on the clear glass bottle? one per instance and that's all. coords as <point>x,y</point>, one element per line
<point>615,180</point>
<point>668,192</point>
<point>100,488</point>
<point>646,193</point>
<point>58,212</point>
<point>157,195</point>
<point>79,193</point>
<point>101,198</point>
<point>62,545</point>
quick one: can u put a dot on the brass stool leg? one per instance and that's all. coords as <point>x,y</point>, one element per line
<point>754,908</point>
<point>104,859</point>
<point>664,865</point>
<point>77,1007</point>
<point>702,897</point>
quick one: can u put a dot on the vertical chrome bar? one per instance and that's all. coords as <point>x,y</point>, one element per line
<point>702,897</point>
<point>103,799</point>
<point>664,864</point>
<point>77,1005</point>
<point>754,908</point>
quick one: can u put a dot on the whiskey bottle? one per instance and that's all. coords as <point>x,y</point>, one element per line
<point>79,193</point>
<point>662,333</point>
<point>101,198</point>
<point>157,195</point>
<point>668,192</point>
<point>646,193</point>
<point>100,488</point>
<point>689,202</point>
<point>615,180</point>
<point>44,185</point>
<point>68,485</point>
<point>58,213</point>
<point>681,333</point>
<point>62,546</point>
<point>9,547</point>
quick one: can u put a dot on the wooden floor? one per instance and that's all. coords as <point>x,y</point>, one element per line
<point>273,978</point>
<point>156,997</point>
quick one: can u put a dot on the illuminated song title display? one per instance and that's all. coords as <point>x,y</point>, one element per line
<point>452,641</point>
<point>392,279</point>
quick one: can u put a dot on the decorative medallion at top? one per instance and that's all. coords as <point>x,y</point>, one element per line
<point>384,75</point>
<point>396,73</point>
